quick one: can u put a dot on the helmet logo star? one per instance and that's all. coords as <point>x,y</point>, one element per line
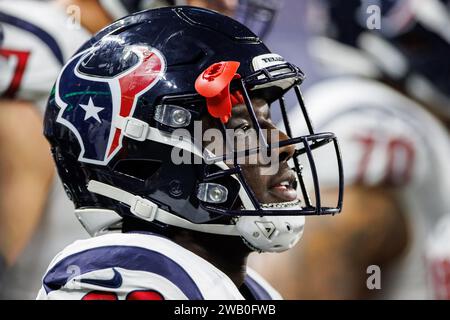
<point>91,110</point>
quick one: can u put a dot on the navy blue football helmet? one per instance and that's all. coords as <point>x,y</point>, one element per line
<point>113,116</point>
<point>405,42</point>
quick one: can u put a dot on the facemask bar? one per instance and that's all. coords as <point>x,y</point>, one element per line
<point>310,142</point>
<point>297,166</point>
<point>272,74</point>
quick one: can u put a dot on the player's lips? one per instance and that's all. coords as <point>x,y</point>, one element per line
<point>285,187</point>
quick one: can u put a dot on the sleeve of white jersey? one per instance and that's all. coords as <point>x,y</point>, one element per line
<point>37,40</point>
<point>28,69</point>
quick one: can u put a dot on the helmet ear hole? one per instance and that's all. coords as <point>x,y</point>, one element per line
<point>141,169</point>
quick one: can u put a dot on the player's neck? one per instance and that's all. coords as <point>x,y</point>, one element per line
<point>229,254</point>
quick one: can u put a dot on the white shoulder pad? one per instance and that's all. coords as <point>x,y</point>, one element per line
<point>143,264</point>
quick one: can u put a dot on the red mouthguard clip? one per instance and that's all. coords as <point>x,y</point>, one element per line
<point>214,85</point>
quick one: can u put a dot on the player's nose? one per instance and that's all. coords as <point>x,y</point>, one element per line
<point>285,152</point>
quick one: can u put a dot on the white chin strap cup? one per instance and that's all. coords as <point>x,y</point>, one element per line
<point>271,233</point>
<point>267,233</point>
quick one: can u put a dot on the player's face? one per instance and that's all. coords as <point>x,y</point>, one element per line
<point>278,186</point>
<point>271,182</point>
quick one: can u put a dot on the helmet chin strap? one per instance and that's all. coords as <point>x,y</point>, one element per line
<point>260,233</point>
<point>149,211</point>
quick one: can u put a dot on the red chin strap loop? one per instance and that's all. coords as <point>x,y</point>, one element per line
<point>214,85</point>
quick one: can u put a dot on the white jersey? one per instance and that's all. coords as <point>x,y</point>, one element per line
<point>38,39</point>
<point>386,138</point>
<point>142,266</point>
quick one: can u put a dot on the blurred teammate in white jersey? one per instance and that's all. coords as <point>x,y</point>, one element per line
<point>38,39</point>
<point>389,104</point>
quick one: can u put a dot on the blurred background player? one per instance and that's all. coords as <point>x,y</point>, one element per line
<point>37,41</point>
<point>389,104</point>
<point>39,37</point>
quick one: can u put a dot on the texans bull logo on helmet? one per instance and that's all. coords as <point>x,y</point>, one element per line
<point>92,104</point>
